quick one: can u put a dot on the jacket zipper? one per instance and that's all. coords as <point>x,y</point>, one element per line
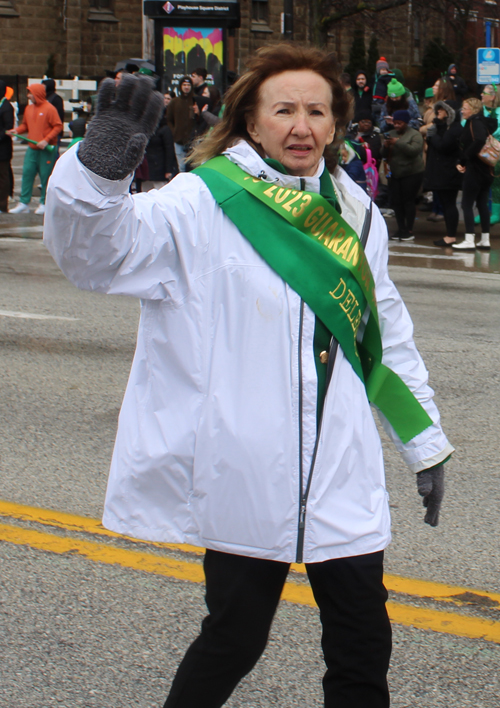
<point>302,500</point>
<point>332,355</point>
<point>304,493</point>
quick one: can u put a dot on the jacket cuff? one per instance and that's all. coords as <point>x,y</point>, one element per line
<point>108,187</point>
<point>432,461</point>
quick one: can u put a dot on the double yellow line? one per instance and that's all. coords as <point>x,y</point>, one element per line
<point>428,618</point>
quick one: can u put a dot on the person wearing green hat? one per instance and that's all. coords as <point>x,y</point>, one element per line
<point>428,101</point>
<point>397,100</point>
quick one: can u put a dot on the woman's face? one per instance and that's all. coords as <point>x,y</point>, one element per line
<point>166,98</point>
<point>466,110</point>
<point>435,88</point>
<point>206,92</point>
<point>441,114</point>
<point>488,96</point>
<point>294,121</point>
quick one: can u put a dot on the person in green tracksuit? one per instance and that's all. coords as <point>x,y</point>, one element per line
<point>42,124</point>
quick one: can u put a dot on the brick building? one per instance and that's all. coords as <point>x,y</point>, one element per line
<point>64,38</point>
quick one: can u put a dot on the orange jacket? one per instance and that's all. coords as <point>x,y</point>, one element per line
<point>41,121</point>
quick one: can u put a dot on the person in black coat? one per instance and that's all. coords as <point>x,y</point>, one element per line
<point>6,123</point>
<point>478,176</point>
<point>53,97</point>
<point>160,154</point>
<point>459,85</point>
<point>364,131</point>
<point>57,102</point>
<point>441,174</point>
<point>362,93</point>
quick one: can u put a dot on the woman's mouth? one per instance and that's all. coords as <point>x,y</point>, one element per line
<point>301,149</point>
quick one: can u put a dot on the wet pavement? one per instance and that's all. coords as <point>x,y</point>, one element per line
<point>422,253</point>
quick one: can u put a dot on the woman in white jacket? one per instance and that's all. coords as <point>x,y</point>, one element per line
<point>245,428</point>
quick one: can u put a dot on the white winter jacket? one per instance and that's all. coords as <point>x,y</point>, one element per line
<point>218,424</point>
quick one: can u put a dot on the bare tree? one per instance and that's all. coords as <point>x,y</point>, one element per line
<point>326,14</point>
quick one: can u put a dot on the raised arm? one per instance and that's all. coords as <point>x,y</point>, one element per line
<point>102,237</point>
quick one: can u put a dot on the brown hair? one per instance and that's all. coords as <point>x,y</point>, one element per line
<point>475,105</point>
<point>242,99</point>
<point>445,91</point>
<point>397,104</point>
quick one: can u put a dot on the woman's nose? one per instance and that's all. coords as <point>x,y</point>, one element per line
<point>301,125</point>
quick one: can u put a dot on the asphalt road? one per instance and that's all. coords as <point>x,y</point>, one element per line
<point>78,633</point>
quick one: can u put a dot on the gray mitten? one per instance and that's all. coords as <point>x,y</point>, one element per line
<point>125,119</point>
<point>431,130</point>
<point>430,485</point>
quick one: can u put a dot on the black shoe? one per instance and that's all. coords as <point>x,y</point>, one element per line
<point>444,244</point>
<point>396,236</point>
<point>407,236</point>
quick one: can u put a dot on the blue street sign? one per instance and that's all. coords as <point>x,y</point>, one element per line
<point>488,65</point>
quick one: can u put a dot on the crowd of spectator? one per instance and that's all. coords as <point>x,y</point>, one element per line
<point>427,151</point>
<point>397,149</point>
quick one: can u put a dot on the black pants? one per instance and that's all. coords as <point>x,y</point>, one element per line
<point>476,188</point>
<point>242,595</point>
<point>404,192</point>
<point>448,199</point>
<point>6,184</point>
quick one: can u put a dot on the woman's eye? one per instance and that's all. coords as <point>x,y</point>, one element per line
<point>285,111</point>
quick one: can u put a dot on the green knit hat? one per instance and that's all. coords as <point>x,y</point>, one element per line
<point>395,89</point>
<point>429,93</point>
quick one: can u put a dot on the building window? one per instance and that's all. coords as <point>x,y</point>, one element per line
<point>260,16</point>
<point>7,9</point>
<point>101,11</point>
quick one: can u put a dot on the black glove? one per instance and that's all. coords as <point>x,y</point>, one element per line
<point>125,119</point>
<point>430,485</point>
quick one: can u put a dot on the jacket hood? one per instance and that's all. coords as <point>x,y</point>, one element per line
<point>246,157</point>
<point>450,113</point>
<point>38,91</point>
<point>352,198</point>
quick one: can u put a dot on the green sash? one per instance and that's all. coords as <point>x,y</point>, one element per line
<point>306,241</point>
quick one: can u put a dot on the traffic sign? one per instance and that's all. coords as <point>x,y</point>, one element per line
<point>488,65</point>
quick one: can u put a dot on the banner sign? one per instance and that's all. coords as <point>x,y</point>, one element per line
<point>188,48</point>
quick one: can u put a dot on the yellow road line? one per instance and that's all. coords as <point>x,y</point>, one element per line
<point>444,622</point>
<point>103,553</point>
<point>72,522</point>
<point>409,586</point>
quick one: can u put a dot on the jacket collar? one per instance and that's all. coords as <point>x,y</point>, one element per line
<point>246,157</point>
